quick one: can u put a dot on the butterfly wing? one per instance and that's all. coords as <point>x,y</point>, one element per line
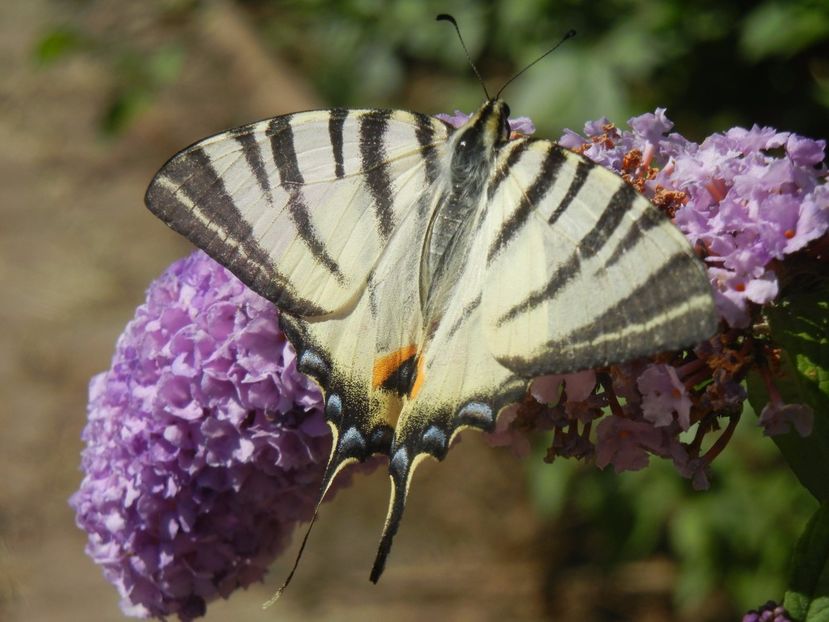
<point>305,209</point>
<point>301,206</point>
<point>583,271</point>
<point>571,269</point>
<point>458,385</point>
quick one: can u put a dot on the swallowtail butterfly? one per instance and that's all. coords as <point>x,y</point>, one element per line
<point>425,274</point>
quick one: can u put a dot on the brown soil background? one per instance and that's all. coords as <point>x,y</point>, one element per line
<point>77,250</point>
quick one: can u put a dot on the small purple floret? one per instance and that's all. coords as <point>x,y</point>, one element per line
<point>770,612</point>
<point>663,395</point>
<point>522,125</point>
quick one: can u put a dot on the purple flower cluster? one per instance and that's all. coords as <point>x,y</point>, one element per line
<point>750,196</point>
<point>745,199</point>
<point>204,445</point>
<point>770,612</point>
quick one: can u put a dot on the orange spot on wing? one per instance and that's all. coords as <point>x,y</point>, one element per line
<point>386,365</point>
<point>418,379</point>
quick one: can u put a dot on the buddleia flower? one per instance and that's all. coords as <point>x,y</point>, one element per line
<point>746,199</point>
<point>204,445</point>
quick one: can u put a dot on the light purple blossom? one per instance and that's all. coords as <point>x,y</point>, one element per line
<point>522,125</point>
<point>778,418</point>
<point>688,465</point>
<point>507,434</point>
<point>625,444</point>
<point>663,395</point>
<point>204,445</point>
<point>770,612</point>
<point>746,204</point>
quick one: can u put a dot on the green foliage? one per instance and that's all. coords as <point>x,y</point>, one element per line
<point>733,540</point>
<point>56,44</point>
<point>138,73</point>
<point>803,23</point>
<point>800,325</point>
<point>713,64</point>
<point>807,599</point>
<point>140,77</point>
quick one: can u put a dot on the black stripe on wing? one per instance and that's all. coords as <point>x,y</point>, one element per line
<point>619,205</point>
<point>622,333</point>
<point>467,311</point>
<point>425,133</point>
<point>579,177</point>
<point>190,197</point>
<point>252,151</point>
<point>373,128</point>
<point>518,147</point>
<point>542,183</point>
<point>335,134</point>
<point>291,179</point>
<point>588,246</point>
<point>650,219</point>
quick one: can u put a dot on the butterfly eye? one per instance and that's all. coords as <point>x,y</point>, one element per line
<point>505,128</point>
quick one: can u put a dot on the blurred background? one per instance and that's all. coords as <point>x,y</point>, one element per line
<point>96,94</point>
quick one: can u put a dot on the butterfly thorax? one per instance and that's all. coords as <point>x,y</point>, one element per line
<point>471,153</point>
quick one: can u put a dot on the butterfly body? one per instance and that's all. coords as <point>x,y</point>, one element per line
<point>425,273</point>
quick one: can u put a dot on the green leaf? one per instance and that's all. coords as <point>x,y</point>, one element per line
<point>778,28</point>
<point>800,326</point>
<point>56,44</point>
<point>807,599</point>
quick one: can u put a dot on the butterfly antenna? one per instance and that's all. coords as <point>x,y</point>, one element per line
<point>569,35</point>
<point>445,17</point>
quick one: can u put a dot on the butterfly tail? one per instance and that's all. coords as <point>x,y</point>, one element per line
<point>401,468</point>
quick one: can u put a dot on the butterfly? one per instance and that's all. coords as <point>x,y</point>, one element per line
<point>426,273</point>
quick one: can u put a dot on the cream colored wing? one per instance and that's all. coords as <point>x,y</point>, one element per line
<point>300,207</point>
<point>571,269</point>
<point>583,271</point>
<point>323,213</point>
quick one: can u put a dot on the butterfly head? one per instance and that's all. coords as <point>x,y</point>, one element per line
<point>475,144</point>
<point>495,122</point>
<point>486,130</point>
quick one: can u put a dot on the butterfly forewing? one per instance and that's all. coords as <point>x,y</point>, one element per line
<point>301,206</point>
<point>617,280</point>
